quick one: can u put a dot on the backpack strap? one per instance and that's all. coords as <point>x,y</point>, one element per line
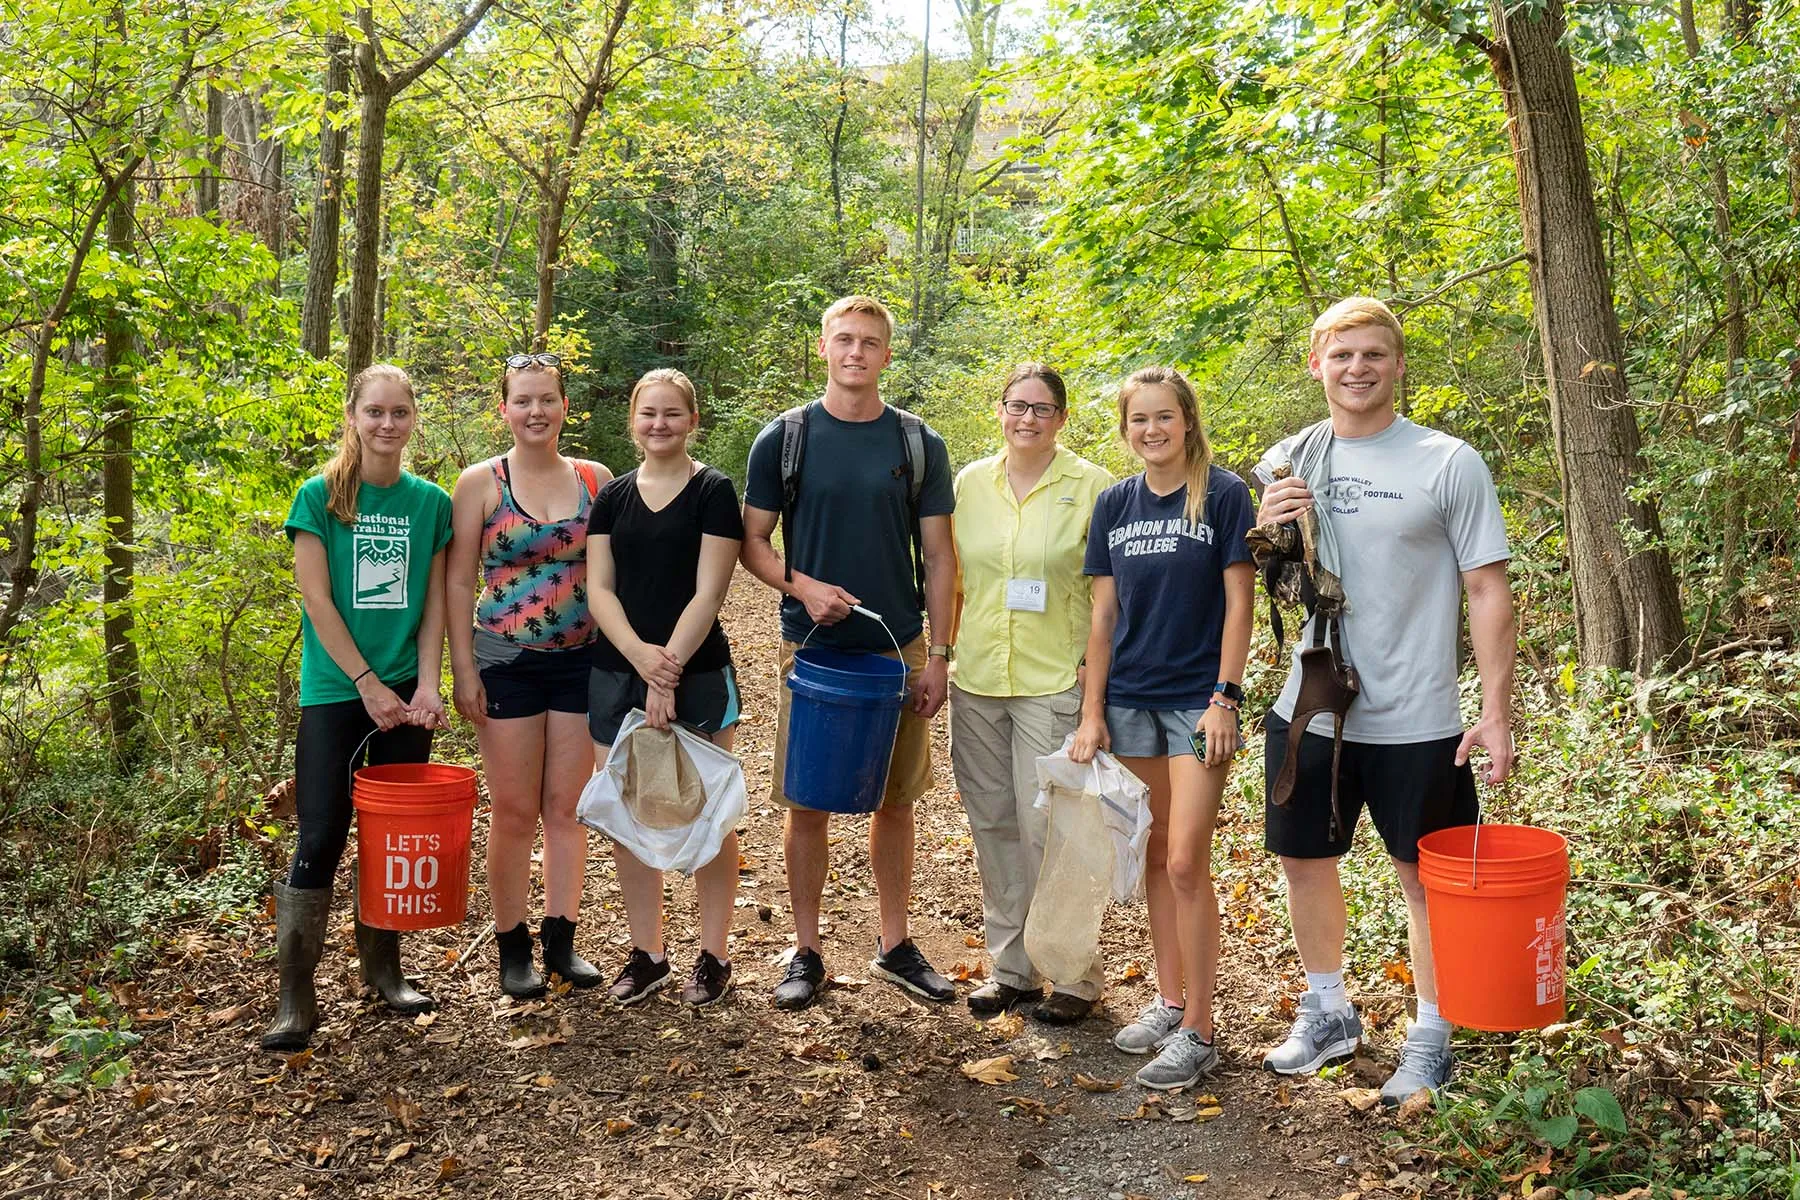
<point>912,440</point>
<point>793,453</point>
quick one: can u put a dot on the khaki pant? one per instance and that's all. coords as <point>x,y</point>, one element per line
<point>909,770</point>
<point>993,740</point>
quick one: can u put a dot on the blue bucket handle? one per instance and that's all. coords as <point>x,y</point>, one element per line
<point>873,616</point>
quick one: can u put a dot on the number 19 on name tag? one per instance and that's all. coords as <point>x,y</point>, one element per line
<point>1025,595</point>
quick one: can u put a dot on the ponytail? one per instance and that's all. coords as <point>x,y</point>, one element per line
<point>343,474</point>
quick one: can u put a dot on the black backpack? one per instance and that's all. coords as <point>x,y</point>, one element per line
<point>793,453</point>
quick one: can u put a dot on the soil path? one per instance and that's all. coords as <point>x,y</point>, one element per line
<point>863,1095</point>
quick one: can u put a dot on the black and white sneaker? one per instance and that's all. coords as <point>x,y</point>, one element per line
<point>640,976</point>
<point>906,966</point>
<point>805,972</point>
<point>709,982</point>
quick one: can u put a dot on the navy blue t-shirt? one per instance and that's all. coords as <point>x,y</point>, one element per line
<point>849,522</point>
<point>1170,578</point>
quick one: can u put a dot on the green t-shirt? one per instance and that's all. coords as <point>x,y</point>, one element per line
<point>380,568</point>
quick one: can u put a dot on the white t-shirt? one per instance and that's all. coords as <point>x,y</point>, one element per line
<point>1412,509</point>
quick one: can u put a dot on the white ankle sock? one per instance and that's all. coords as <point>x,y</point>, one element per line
<point>1430,1023</point>
<point>1328,986</point>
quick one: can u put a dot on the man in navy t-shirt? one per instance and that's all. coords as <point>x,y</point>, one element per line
<point>852,546</point>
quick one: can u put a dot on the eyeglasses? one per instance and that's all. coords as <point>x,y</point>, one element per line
<point>516,362</point>
<point>1019,408</point>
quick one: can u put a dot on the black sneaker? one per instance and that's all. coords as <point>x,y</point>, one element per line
<point>805,972</point>
<point>709,982</point>
<point>640,976</point>
<point>906,966</point>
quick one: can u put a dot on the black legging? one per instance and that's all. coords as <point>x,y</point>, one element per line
<point>329,735</point>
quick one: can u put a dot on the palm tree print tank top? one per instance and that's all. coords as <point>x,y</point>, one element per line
<point>534,573</point>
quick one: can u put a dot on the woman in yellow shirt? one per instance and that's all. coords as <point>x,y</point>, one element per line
<point>1021,532</point>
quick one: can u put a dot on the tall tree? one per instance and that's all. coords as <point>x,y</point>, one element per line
<point>320,302</point>
<point>380,84</point>
<point>124,692</point>
<point>1627,608</point>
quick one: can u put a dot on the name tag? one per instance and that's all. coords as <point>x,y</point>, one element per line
<point>1025,595</point>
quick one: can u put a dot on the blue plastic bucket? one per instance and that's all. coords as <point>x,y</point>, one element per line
<point>841,726</point>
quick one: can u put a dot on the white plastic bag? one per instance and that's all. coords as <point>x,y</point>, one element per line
<point>1098,830</point>
<point>608,805</point>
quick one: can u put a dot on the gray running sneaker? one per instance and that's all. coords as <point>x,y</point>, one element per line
<point>1425,1062</point>
<point>1316,1038</point>
<point>1184,1059</point>
<point>1154,1026</point>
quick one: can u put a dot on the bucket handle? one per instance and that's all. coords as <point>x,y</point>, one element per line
<point>1475,852</point>
<point>873,616</point>
<point>350,770</point>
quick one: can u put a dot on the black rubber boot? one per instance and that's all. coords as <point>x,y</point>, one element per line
<point>518,977</point>
<point>558,936</point>
<point>378,953</point>
<point>300,916</point>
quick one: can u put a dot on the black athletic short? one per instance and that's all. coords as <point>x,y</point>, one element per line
<point>705,700</point>
<point>1410,790</point>
<point>537,681</point>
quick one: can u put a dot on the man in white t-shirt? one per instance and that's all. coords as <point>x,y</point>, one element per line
<point>1417,524</point>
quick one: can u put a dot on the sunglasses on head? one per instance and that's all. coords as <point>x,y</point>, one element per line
<point>516,362</point>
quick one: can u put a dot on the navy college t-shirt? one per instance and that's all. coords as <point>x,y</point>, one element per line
<point>1170,578</point>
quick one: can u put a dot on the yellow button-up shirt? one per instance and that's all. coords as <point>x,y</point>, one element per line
<point>1007,652</point>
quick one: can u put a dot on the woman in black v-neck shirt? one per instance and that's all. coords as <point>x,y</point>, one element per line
<point>662,542</point>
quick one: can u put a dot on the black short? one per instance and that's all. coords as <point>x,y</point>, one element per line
<point>1410,790</point>
<point>538,681</point>
<point>706,700</point>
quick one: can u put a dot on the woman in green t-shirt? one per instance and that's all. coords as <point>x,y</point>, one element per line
<point>369,542</point>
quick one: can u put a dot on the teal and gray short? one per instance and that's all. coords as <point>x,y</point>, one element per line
<point>706,701</point>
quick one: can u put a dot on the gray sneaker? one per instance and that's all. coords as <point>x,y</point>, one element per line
<point>1425,1062</point>
<point>1184,1059</point>
<point>1154,1026</point>
<point>1316,1038</point>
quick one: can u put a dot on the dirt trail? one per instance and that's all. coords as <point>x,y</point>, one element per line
<point>863,1095</point>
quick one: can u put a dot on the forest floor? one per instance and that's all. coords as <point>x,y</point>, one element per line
<point>865,1094</point>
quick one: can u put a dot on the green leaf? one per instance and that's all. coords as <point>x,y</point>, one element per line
<point>1557,1131</point>
<point>1601,1107</point>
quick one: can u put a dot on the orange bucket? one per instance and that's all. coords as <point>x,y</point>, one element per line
<point>412,844</point>
<point>1494,897</point>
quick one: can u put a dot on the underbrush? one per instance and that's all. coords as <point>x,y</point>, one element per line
<point>98,869</point>
<point>1678,1068</point>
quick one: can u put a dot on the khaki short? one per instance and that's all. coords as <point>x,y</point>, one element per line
<point>909,770</point>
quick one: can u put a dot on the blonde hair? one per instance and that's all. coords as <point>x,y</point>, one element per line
<point>858,304</point>
<point>1357,312</point>
<point>343,474</point>
<point>507,374</point>
<point>1195,448</point>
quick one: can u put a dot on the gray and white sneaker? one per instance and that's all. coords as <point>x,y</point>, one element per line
<point>1425,1062</point>
<point>1184,1059</point>
<point>1153,1027</point>
<point>1316,1038</point>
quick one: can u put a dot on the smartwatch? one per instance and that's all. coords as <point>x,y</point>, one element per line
<point>1230,691</point>
<point>945,652</point>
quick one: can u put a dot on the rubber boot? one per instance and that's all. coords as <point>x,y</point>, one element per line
<point>518,977</point>
<point>300,916</point>
<point>378,954</point>
<point>558,936</point>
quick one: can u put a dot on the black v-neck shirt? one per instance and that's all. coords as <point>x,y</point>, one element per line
<point>656,559</point>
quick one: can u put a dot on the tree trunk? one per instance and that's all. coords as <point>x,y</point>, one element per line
<point>660,252</point>
<point>124,693</point>
<point>551,204</point>
<point>318,307</point>
<point>365,236</point>
<point>1627,609</point>
<point>206,187</point>
<point>843,113</point>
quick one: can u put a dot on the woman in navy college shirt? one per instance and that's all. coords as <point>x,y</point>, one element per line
<point>1165,664</point>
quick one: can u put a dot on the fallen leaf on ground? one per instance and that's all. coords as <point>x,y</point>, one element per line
<point>398,1152</point>
<point>1149,1110</point>
<point>1133,970</point>
<point>1194,1178</point>
<point>1549,1192</point>
<point>1397,971</point>
<point>617,1125</point>
<point>449,1168</point>
<point>1045,1052</point>
<point>408,1114</point>
<point>1088,1083</point>
<point>225,1016</point>
<point>1413,1105</point>
<point>544,1081</point>
<point>1361,1099</point>
<point>425,1019</point>
<point>991,1071</point>
<point>973,942</point>
<point>456,1091</point>
<point>1005,1027</point>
